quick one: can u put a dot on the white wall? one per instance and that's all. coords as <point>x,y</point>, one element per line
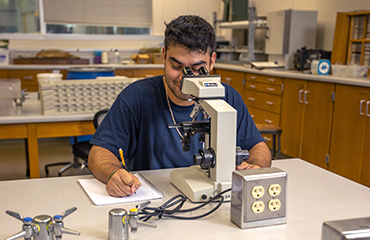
<point>166,10</point>
<point>327,10</point>
<point>163,11</point>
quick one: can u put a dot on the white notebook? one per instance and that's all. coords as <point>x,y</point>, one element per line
<point>97,193</point>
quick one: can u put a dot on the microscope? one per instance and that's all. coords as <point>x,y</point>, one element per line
<point>215,163</point>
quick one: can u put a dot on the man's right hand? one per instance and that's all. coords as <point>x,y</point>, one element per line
<point>122,183</point>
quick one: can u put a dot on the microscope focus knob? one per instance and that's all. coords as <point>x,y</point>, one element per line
<point>205,158</point>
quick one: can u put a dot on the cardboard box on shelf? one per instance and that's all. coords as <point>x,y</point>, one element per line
<point>141,58</point>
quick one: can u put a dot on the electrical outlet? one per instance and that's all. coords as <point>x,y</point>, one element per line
<point>258,197</point>
<point>258,207</point>
<point>274,190</point>
<point>274,205</point>
<point>258,192</point>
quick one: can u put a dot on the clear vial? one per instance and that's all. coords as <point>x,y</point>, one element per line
<point>117,58</point>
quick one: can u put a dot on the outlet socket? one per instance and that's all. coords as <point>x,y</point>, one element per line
<point>274,205</point>
<point>258,207</point>
<point>274,190</point>
<point>258,192</point>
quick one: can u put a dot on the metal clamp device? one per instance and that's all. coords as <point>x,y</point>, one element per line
<point>43,227</point>
<point>120,220</point>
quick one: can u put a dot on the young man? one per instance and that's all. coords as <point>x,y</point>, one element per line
<point>138,120</point>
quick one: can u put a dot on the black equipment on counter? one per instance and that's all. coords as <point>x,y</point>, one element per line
<point>303,57</point>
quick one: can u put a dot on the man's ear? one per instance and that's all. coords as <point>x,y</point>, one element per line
<point>163,55</point>
<point>212,61</point>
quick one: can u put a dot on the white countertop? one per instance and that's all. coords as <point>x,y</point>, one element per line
<point>355,81</point>
<point>31,112</point>
<point>294,74</point>
<point>63,66</point>
<point>314,195</point>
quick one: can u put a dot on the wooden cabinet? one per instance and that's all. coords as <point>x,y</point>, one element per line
<point>233,78</point>
<point>147,72</point>
<point>4,74</point>
<point>123,72</point>
<point>352,38</point>
<point>262,95</point>
<point>139,72</point>
<point>350,138</point>
<point>306,120</point>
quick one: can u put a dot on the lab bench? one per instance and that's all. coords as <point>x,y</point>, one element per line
<point>314,195</point>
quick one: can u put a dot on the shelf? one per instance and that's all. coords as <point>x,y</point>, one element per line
<point>242,24</point>
<point>239,51</point>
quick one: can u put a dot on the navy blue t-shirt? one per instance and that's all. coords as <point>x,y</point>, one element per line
<point>138,123</point>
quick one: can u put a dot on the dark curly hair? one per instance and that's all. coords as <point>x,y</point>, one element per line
<point>192,32</point>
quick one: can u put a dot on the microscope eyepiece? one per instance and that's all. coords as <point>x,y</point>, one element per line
<point>203,71</point>
<point>187,72</point>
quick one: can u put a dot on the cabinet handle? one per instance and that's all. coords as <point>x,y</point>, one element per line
<point>300,94</point>
<point>367,108</point>
<point>251,99</point>
<point>271,89</point>
<point>252,116</point>
<point>305,96</point>
<point>361,102</point>
<point>268,121</point>
<point>269,103</point>
<point>252,77</point>
<point>270,79</point>
<point>27,77</point>
<point>267,139</point>
<point>252,86</point>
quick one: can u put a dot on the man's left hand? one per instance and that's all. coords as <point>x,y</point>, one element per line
<point>246,165</point>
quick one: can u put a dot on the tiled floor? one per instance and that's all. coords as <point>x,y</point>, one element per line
<point>13,161</point>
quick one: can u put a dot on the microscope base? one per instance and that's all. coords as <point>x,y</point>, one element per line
<point>196,185</point>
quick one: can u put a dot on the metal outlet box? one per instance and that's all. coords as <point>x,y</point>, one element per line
<point>258,197</point>
<point>357,229</point>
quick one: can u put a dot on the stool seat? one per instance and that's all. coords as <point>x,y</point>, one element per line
<point>265,128</point>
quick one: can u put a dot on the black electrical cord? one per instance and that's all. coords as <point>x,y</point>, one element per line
<point>177,203</point>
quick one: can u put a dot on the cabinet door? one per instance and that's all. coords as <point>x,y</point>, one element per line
<point>123,72</point>
<point>365,164</point>
<point>3,74</point>
<point>318,109</point>
<point>292,116</point>
<point>348,130</point>
<point>233,78</point>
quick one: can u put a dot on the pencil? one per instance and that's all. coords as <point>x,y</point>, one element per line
<point>121,155</point>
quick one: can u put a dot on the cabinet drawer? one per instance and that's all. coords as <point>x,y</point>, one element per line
<point>262,116</point>
<point>264,79</point>
<point>263,87</point>
<point>264,101</point>
<point>147,72</point>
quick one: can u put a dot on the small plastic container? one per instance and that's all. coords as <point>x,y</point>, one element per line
<point>6,107</point>
<point>350,70</point>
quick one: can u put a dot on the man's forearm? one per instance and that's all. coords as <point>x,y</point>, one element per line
<point>260,155</point>
<point>102,163</point>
